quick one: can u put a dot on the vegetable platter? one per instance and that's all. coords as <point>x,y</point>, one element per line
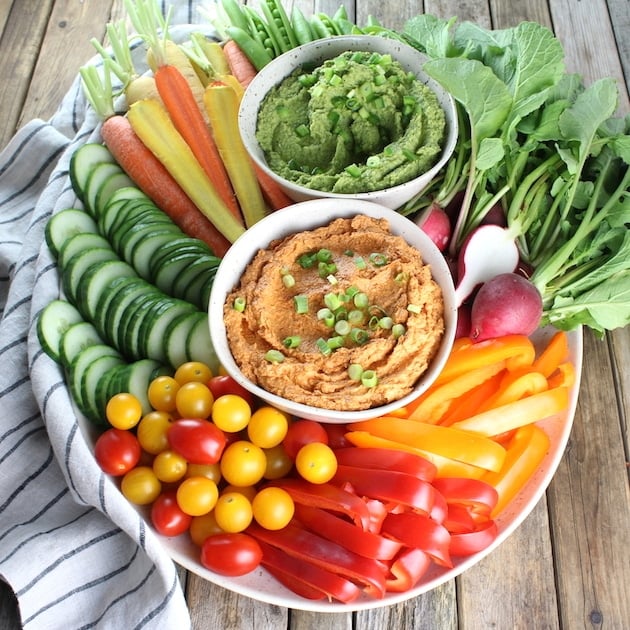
<point>258,585</point>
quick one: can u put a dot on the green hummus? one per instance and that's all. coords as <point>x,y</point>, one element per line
<point>356,123</point>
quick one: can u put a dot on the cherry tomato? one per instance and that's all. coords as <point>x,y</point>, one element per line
<point>243,463</point>
<point>141,485</point>
<point>337,435</point>
<point>279,464</point>
<point>167,517</point>
<point>169,466</point>
<point>249,491</point>
<point>224,384</point>
<point>117,451</point>
<point>231,413</point>
<point>267,427</point>
<point>233,512</point>
<point>231,554</point>
<point>162,393</point>
<point>152,431</point>
<point>192,371</point>
<point>123,410</point>
<point>273,508</point>
<point>302,432</point>
<point>197,495</point>
<point>316,462</point>
<point>211,471</point>
<point>199,441</point>
<point>194,400</point>
<point>203,526</point>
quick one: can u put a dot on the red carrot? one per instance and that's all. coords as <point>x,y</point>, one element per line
<point>275,197</point>
<point>240,66</point>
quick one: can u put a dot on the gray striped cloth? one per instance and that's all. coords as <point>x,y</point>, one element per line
<point>76,554</point>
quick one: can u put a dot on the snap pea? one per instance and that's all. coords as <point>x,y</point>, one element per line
<point>234,14</point>
<point>259,30</point>
<point>330,24</point>
<point>282,37</point>
<point>253,49</point>
<point>301,26</point>
<point>320,29</point>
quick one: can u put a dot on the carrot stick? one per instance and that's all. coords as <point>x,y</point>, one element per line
<point>275,197</point>
<point>240,66</point>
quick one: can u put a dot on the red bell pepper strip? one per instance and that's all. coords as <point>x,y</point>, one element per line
<point>420,532</point>
<point>467,543</point>
<point>301,573</point>
<point>459,520</point>
<point>439,511</point>
<point>339,530</point>
<point>408,567</point>
<point>328,497</point>
<point>479,496</point>
<point>298,587</point>
<point>301,543</point>
<point>387,459</point>
<point>388,485</point>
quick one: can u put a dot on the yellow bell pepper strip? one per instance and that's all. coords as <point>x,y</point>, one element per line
<point>454,443</point>
<point>515,414</point>
<point>301,543</point>
<point>515,350</point>
<point>420,532</point>
<point>564,376</point>
<point>554,353</point>
<point>516,385</point>
<point>468,543</point>
<point>407,570</point>
<point>437,400</point>
<point>387,459</point>
<point>525,452</point>
<point>342,531</point>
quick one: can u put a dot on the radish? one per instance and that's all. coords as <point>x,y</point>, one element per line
<point>508,304</point>
<point>437,226</point>
<point>488,251</point>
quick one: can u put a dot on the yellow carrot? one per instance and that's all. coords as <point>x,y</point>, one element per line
<point>154,127</point>
<point>221,103</point>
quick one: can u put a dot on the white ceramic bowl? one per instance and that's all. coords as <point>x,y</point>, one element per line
<point>315,53</point>
<point>304,216</point>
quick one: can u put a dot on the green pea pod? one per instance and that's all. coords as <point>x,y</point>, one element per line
<point>234,14</point>
<point>252,48</point>
<point>260,31</point>
<point>276,5</point>
<point>340,13</point>
<point>344,26</point>
<point>320,29</point>
<point>277,31</point>
<point>301,26</point>
<point>329,24</point>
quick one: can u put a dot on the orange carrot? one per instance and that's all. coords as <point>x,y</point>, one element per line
<point>240,66</point>
<point>275,197</point>
<point>156,182</point>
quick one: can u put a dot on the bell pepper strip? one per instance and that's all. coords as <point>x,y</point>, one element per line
<point>516,385</point>
<point>515,350</point>
<point>445,467</point>
<point>420,532</point>
<point>461,445</point>
<point>439,511</point>
<point>378,512</point>
<point>436,401</point>
<point>515,414</point>
<point>525,452</point>
<point>386,459</point>
<point>468,543</point>
<point>478,496</point>
<point>337,529</point>
<point>407,570</point>
<point>564,376</point>
<point>296,572</point>
<point>388,485</point>
<point>297,586</point>
<point>553,355</point>
<point>459,519</point>
<point>301,543</point>
<point>329,497</point>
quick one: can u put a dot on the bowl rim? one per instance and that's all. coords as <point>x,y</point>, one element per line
<point>331,47</point>
<point>308,215</point>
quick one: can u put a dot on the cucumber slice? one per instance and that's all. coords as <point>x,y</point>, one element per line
<point>197,282</point>
<point>64,225</point>
<point>142,232</point>
<point>100,174</point>
<point>74,340</point>
<point>53,322</point>
<point>199,344</point>
<point>136,377</point>
<point>113,211</point>
<point>138,220</point>
<point>77,268</point>
<point>108,188</point>
<point>175,337</point>
<point>178,246</point>
<point>146,250</point>
<point>78,243</point>
<point>131,321</point>
<point>90,379</point>
<point>83,162</point>
<point>168,276</point>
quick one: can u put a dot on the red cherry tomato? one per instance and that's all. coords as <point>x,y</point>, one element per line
<point>224,384</point>
<point>337,435</point>
<point>167,517</point>
<point>303,432</point>
<point>198,441</point>
<point>117,451</point>
<point>231,554</point>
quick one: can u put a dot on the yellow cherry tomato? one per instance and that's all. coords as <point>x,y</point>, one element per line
<point>169,466</point>
<point>197,495</point>
<point>231,413</point>
<point>249,491</point>
<point>267,427</point>
<point>192,371</point>
<point>162,392</point>
<point>123,411</point>
<point>233,512</point>
<point>141,485</point>
<point>203,526</point>
<point>316,462</point>
<point>243,463</point>
<point>279,464</point>
<point>152,430</point>
<point>194,400</point>
<point>273,508</point>
<point>211,471</point>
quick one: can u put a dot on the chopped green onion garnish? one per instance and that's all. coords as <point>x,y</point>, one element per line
<point>386,323</point>
<point>359,336</point>
<point>288,280</point>
<point>369,378</point>
<point>292,342</point>
<point>353,170</point>
<point>306,261</point>
<point>302,131</point>
<point>274,356</point>
<point>342,327</point>
<point>378,259</point>
<point>335,342</point>
<point>413,308</point>
<point>301,304</point>
<point>355,316</point>
<point>239,304</point>
<point>326,315</point>
<point>355,371</point>
<point>332,301</point>
<point>332,279</point>
<point>324,255</point>
<point>361,300</point>
<point>323,346</point>
<point>359,262</point>
<point>351,291</point>
<point>398,330</point>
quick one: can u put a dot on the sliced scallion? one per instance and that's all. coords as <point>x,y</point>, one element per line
<point>239,304</point>
<point>369,378</point>
<point>274,356</point>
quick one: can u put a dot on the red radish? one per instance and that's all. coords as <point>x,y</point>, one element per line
<point>508,304</point>
<point>488,251</point>
<point>437,226</point>
<point>495,216</point>
<point>463,321</point>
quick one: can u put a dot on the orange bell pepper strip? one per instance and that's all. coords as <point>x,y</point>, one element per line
<point>555,353</point>
<point>515,414</point>
<point>525,452</point>
<point>515,350</point>
<point>454,443</point>
<point>564,376</point>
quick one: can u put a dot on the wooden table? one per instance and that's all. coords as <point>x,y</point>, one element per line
<point>568,565</point>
